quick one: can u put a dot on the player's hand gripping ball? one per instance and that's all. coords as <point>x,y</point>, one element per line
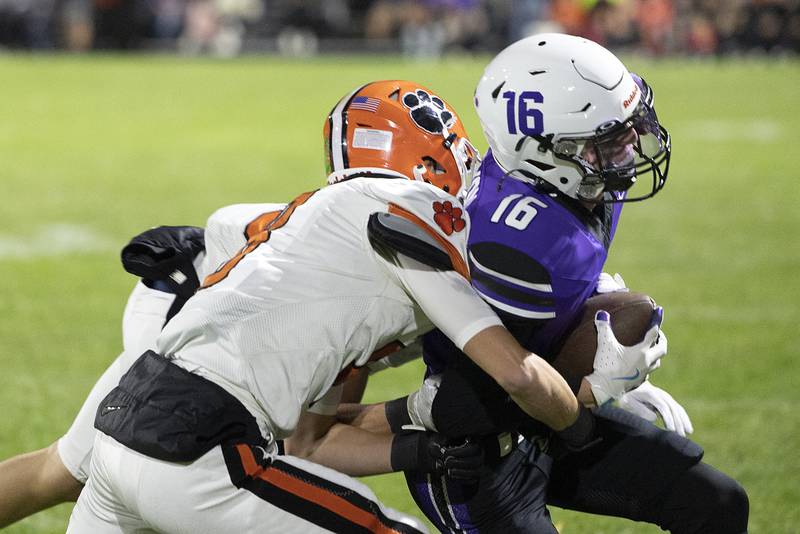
<point>630,318</point>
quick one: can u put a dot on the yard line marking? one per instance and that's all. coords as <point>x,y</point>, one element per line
<point>58,239</point>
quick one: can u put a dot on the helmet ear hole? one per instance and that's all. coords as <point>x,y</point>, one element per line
<point>433,166</point>
<point>540,165</point>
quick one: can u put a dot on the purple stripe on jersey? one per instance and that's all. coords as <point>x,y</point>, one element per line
<point>424,499</point>
<point>443,502</point>
<point>460,511</point>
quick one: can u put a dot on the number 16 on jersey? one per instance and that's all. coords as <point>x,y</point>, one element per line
<point>521,214</point>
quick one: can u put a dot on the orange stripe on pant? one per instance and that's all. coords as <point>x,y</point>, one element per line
<point>312,493</point>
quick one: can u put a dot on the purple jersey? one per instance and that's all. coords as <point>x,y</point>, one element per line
<point>533,257</point>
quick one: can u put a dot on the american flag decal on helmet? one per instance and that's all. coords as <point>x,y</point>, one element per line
<point>365,103</point>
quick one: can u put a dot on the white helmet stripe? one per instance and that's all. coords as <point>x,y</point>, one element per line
<point>338,134</point>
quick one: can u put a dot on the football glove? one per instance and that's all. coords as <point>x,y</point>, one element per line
<point>610,284</point>
<point>648,402</point>
<point>619,369</point>
<point>427,452</point>
<point>165,254</point>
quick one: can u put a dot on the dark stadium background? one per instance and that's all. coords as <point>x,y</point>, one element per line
<point>415,27</point>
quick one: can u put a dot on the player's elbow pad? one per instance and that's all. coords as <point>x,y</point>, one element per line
<point>390,235</point>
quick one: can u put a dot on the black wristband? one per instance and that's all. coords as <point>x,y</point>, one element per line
<point>397,414</point>
<point>580,434</point>
<point>405,451</point>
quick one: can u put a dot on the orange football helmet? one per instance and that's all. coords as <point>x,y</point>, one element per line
<point>398,129</point>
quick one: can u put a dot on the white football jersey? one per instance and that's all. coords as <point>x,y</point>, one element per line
<point>308,297</point>
<point>225,233</point>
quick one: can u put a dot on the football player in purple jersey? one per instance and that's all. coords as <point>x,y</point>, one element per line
<point>571,132</point>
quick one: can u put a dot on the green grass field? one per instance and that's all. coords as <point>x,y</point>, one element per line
<point>96,149</point>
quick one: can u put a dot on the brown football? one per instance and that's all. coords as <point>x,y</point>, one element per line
<point>630,316</point>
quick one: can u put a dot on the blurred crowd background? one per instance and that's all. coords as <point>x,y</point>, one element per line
<point>415,27</point>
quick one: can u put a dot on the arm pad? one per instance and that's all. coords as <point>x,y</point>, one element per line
<point>392,234</point>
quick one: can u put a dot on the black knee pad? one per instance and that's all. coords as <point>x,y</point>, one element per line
<point>705,500</point>
<point>731,505</point>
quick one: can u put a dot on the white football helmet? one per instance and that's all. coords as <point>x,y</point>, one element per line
<point>564,113</point>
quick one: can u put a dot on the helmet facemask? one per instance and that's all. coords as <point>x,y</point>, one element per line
<point>613,159</point>
<point>563,113</point>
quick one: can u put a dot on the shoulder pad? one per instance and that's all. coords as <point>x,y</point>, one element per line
<point>392,233</point>
<point>166,254</point>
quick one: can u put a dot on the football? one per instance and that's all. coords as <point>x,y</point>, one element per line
<point>630,316</point>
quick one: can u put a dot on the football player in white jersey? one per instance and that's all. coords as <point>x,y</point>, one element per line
<point>187,439</point>
<point>39,479</point>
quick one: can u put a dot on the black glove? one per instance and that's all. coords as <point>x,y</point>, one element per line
<point>166,254</point>
<point>428,452</point>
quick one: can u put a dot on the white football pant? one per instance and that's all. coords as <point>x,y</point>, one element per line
<point>128,492</point>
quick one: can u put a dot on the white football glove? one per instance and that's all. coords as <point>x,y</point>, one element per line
<point>609,284</point>
<point>619,369</point>
<point>648,401</point>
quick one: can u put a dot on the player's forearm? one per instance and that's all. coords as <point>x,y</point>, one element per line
<point>32,482</point>
<point>369,417</point>
<point>546,396</point>
<point>530,381</point>
<point>355,386</point>
<point>351,450</point>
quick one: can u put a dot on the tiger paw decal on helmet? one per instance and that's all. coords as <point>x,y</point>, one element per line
<point>429,111</point>
<point>448,218</point>
<point>395,128</point>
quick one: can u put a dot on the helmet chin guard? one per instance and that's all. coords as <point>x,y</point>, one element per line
<point>564,113</point>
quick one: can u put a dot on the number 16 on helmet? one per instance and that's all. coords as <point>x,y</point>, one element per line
<point>564,113</point>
